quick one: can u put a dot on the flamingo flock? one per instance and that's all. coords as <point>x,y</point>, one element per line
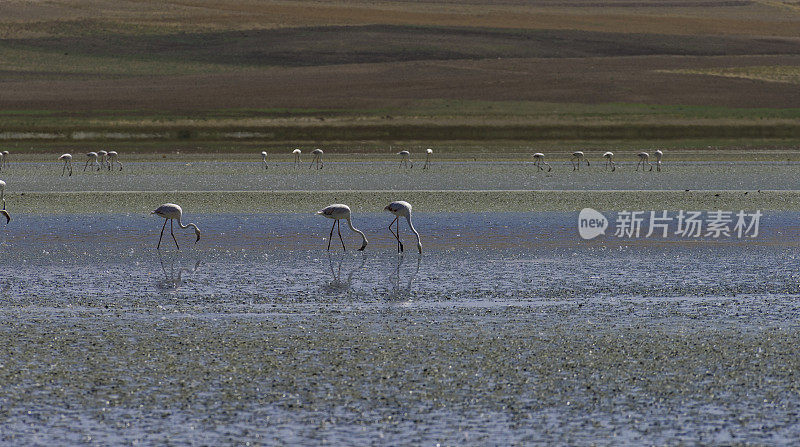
<point>171,212</point>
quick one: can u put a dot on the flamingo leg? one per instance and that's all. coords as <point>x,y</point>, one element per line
<point>392,231</point>
<point>63,169</point>
<point>85,165</point>
<point>331,235</point>
<point>339,230</point>
<point>397,227</point>
<point>162,234</point>
<point>173,233</point>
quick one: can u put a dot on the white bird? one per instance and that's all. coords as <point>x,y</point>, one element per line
<point>317,153</point>
<point>643,158</point>
<point>3,197</point>
<point>5,162</point>
<point>113,158</point>
<point>171,212</point>
<point>576,158</point>
<point>609,156</point>
<point>659,154</point>
<point>405,159</point>
<point>67,159</point>
<point>297,153</point>
<point>400,209</point>
<point>337,212</point>
<point>538,160</point>
<point>428,153</point>
<point>264,159</point>
<point>2,161</point>
<point>103,155</point>
<point>91,157</point>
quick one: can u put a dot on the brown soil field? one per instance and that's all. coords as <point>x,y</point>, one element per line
<point>639,79</point>
<point>200,59</point>
<point>313,46</point>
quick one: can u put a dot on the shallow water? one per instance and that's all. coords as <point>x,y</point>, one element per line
<point>508,328</point>
<point>198,175</point>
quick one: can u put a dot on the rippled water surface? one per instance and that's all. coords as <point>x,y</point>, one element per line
<point>508,328</point>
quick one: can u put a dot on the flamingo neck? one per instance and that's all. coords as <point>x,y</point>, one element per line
<point>363,236</point>
<point>180,224</point>
<point>414,230</point>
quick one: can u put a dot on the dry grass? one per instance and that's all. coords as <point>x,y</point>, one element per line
<point>775,73</point>
<point>766,18</point>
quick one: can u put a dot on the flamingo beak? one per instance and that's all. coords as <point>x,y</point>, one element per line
<point>198,236</point>
<point>8,216</point>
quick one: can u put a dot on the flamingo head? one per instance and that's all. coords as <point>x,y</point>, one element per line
<point>7,216</point>
<point>197,232</point>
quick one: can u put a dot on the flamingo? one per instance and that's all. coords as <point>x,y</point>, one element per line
<point>659,154</point>
<point>400,209</point>
<point>103,155</point>
<point>609,156</point>
<point>576,158</point>
<point>643,158</point>
<point>297,153</point>
<point>317,153</point>
<point>428,153</point>
<point>171,212</point>
<point>112,159</point>
<point>405,159</point>
<point>264,159</point>
<point>91,157</point>
<point>5,159</point>
<point>2,161</point>
<point>337,211</point>
<point>538,159</point>
<point>3,197</point>
<point>67,159</point>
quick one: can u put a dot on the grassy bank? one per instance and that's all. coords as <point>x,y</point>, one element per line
<point>141,203</point>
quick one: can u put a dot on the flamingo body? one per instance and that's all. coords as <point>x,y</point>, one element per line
<point>67,159</point>
<point>317,158</point>
<point>3,198</point>
<point>643,159</point>
<point>337,212</point>
<point>538,161</point>
<point>172,212</point>
<point>401,208</point>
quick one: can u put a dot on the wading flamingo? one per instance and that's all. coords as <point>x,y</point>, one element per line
<point>402,209</point>
<point>576,158</point>
<point>2,161</point>
<point>171,212</point>
<point>3,197</point>
<point>338,212</point>
<point>405,159</point>
<point>297,153</point>
<point>428,153</point>
<point>643,159</point>
<point>658,154</point>
<point>538,160</point>
<point>91,157</point>
<point>113,158</point>
<point>5,163</point>
<point>67,159</point>
<point>317,153</point>
<point>609,156</point>
<point>264,159</point>
<point>103,155</point>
